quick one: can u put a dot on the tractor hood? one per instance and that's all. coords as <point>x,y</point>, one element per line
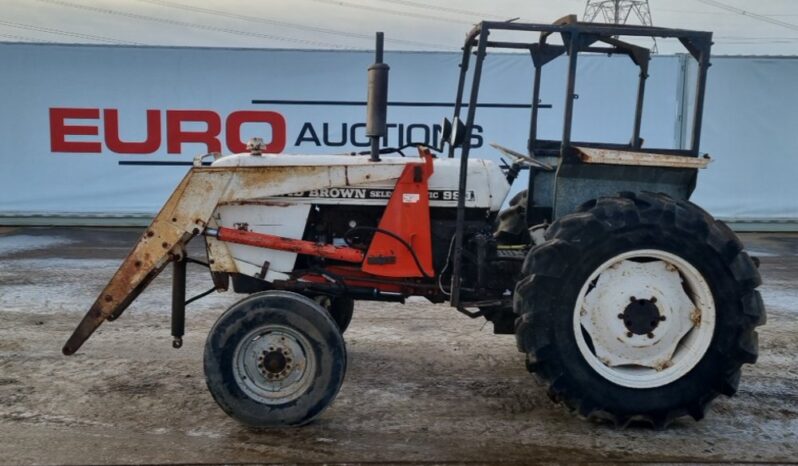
<point>487,186</point>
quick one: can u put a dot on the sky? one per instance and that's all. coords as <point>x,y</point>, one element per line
<point>741,27</point>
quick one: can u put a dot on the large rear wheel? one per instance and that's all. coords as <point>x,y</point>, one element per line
<point>639,307</point>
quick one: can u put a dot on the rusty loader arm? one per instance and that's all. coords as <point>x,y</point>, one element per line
<point>188,212</point>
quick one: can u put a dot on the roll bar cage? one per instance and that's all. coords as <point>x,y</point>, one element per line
<point>576,37</point>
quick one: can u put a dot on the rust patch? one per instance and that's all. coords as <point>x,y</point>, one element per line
<point>662,365</point>
<point>219,257</point>
<point>695,317</point>
<point>251,178</point>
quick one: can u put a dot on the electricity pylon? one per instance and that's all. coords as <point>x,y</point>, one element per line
<point>619,12</point>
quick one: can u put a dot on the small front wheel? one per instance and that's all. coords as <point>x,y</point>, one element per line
<point>275,359</point>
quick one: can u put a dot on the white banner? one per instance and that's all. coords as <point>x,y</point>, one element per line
<point>102,130</point>
<point>751,132</point>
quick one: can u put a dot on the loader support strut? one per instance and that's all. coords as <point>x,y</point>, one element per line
<point>178,302</point>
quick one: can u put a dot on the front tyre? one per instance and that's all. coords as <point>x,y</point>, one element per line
<point>275,359</point>
<point>638,307</point>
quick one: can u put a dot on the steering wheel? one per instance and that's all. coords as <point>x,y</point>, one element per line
<point>522,159</point>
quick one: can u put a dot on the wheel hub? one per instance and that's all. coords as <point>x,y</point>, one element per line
<point>641,316</point>
<point>274,364</point>
<point>644,318</point>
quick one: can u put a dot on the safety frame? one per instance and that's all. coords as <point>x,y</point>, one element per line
<point>577,37</point>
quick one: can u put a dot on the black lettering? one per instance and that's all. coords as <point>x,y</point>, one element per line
<point>476,137</point>
<point>353,133</point>
<point>436,134</point>
<point>326,135</point>
<point>313,137</point>
<point>412,140</point>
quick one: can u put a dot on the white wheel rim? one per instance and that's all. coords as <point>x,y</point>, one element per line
<point>288,378</point>
<point>641,290</point>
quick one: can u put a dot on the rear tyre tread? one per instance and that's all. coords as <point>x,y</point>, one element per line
<point>646,215</point>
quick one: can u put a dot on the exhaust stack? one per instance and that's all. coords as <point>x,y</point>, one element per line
<point>377,100</point>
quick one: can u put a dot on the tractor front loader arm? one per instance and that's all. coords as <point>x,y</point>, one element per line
<point>187,212</point>
<point>183,216</point>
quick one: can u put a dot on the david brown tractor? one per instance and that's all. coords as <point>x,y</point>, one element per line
<point>628,300</point>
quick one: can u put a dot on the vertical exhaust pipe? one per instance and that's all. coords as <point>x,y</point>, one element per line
<point>377,100</point>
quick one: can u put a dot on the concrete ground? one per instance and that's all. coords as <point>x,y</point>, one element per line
<point>424,383</point>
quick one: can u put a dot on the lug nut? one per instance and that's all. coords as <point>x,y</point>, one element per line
<point>620,316</point>
<point>662,318</point>
<point>632,299</point>
<point>653,299</point>
<point>629,334</point>
<point>650,335</point>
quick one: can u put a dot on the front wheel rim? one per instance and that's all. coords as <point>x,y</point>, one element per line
<point>644,318</point>
<point>274,364</point>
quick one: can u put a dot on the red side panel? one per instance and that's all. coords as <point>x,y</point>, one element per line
<point>407,215</point>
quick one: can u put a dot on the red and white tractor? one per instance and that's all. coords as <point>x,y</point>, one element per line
<point>628,300</point>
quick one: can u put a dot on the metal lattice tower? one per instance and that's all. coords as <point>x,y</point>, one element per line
<point>619,12</point>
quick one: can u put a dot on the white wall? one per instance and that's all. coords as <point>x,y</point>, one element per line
<point>750,122</point>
